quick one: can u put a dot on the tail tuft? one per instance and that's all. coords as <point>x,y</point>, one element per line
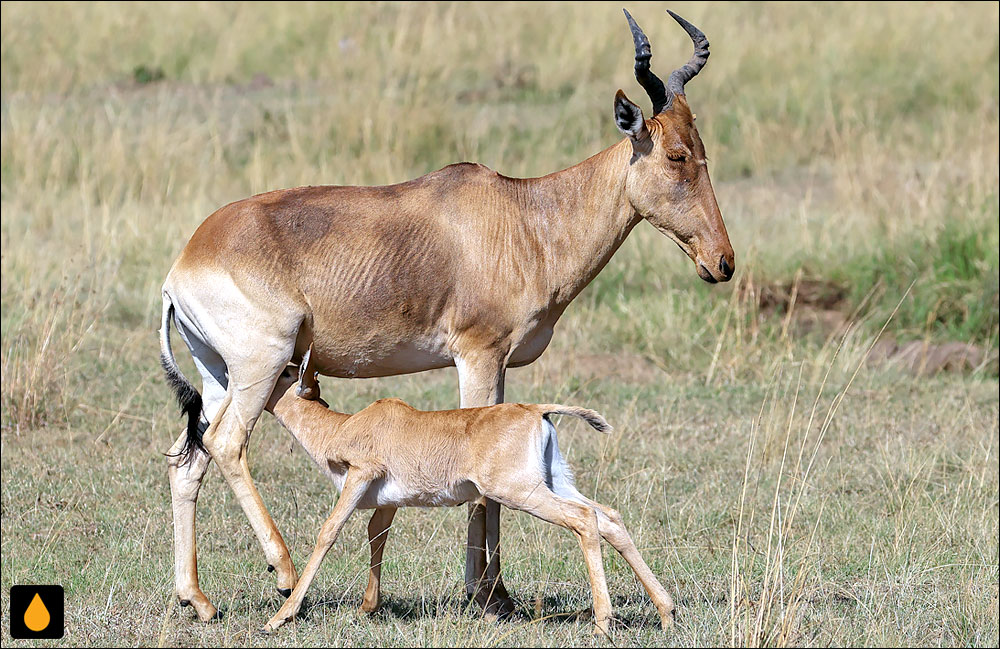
<point>187,395</point>
<point>592,417</point>
<point>190,403</point>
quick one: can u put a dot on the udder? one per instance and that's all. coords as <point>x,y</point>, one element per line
<point>377,355</point>
<point>531,347</point>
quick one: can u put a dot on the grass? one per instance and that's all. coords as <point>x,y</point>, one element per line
<point>785,491</point>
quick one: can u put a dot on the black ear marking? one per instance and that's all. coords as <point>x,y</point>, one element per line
<point>628,117</point>
<point>629,120</point>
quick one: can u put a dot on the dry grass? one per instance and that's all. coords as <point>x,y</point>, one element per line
<point>786,492</point>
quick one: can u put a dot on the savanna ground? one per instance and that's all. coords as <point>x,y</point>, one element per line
<point>786,490</point>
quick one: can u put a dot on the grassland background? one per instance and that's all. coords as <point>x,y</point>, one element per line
<point>785,491</point>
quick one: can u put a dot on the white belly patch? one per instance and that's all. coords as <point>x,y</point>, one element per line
<point>388,492</point>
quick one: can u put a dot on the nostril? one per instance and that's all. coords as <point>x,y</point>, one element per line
<point>725,268</point>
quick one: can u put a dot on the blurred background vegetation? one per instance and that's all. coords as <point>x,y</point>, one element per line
<point>854,149</point>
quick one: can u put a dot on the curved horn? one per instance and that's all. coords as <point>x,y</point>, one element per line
<point>649,81</point>
<point>680,76</point>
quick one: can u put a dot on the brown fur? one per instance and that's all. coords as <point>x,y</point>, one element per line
<point>391,454</point>
<point>461,267</point>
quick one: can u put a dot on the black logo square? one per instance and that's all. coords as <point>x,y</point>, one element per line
<point>37,612</point>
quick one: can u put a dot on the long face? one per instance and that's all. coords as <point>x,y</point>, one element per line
<point>668,185</point>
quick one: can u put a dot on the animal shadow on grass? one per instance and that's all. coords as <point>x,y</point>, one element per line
<point>552,609</point>
<point>564,609</point>
<point>409,608</point>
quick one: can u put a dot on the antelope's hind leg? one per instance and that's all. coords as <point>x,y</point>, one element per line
<point>612,529</point>
<point>582,520</point>
<point>251,383</point>
<point>186,473</point>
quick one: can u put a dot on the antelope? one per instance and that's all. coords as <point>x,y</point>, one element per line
<point>392,455</point>
<point>462,267</point>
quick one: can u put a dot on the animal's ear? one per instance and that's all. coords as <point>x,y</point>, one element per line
<point>629,119</point>
<point>304,364</point>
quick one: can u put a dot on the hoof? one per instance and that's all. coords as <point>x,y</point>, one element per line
<point>495,607</point>
<point>285,592</point>
<point>273,625</point>
<point>667,621</point>
<point>202,607</point>
<point>270,568</point>
<point>214,616</point>
<point>602,629</point>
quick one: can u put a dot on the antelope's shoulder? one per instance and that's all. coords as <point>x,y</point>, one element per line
<point>463,170</point>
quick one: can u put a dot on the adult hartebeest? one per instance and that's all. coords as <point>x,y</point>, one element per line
<point>460,267</point>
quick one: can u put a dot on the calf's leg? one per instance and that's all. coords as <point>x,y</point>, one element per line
<point>610,524</point>
<point>582,520</point>
<point>378,534</point>
<point>354,488</point>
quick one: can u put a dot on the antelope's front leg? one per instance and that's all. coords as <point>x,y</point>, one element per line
<point>481,381</point>
<point>354,488</point>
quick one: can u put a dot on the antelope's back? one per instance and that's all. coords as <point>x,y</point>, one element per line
<point>343,258</point>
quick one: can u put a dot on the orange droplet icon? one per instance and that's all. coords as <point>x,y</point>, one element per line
<point>36,617</point>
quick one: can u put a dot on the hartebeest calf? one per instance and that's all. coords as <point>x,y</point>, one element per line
<point>391,455</point>
<point>463,267</point>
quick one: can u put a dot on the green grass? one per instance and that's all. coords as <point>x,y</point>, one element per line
<point>785,491</point>
<point>952,270</point>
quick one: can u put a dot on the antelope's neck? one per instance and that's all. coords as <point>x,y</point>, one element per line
<point>579,217</point>
<point>315,426</point>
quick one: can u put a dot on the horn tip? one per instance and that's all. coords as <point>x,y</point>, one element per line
<point>676,17</point>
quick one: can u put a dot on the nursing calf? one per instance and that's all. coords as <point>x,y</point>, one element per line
<point>391,455</point>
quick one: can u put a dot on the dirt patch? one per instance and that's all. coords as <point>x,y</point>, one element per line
<point>923,358</point>
<point>817,306</point>
<point>805,305</point>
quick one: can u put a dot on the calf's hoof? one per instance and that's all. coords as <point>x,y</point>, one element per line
<point>668,620</point>
<point>275,623</point>
<point>285,592</point>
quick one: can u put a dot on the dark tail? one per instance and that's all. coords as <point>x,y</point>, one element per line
<point>187,395</point>
<point>592,417</point>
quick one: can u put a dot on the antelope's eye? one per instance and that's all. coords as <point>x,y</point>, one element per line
<point>677,156</point>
